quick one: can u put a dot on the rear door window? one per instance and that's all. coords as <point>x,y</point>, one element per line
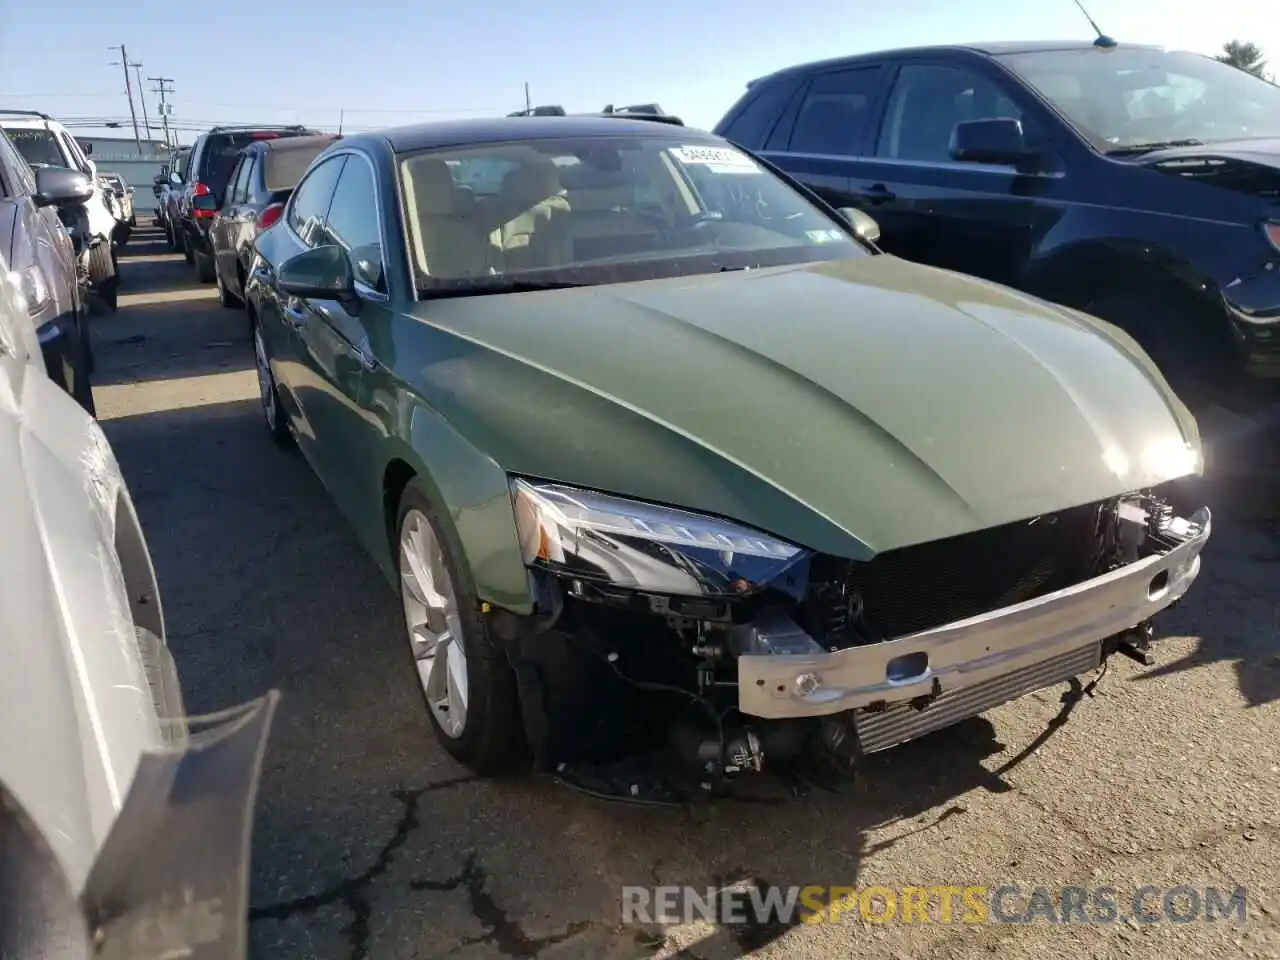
<point>838,113</point>
<point>752,124</point>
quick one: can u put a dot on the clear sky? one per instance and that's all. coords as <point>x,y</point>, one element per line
<point>383,63</point>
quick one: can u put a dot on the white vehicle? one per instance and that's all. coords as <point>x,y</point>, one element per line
<point>43,141</point>
<point>123,194</point>
<point>89,684</point>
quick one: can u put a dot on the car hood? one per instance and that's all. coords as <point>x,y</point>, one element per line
<point>1245,166</point>
<point>852,406</point>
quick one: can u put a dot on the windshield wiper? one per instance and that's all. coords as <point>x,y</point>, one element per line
<point>482,288</point>
<point>1135,149</point>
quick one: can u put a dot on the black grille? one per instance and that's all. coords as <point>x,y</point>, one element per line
<point>916,588</point>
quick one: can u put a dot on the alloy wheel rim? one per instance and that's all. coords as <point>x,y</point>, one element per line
<point>265,386</point>
<point>434,627</point>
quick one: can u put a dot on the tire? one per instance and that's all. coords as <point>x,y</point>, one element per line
<point>273,412</point>
<point>82,389</point>
<point>102,275</point>
<point>166,690</point>
<point>170,239</point>
<point>204,267</point>
<point>491,734</point>
<point>187,253</point>
<point>225,297</point>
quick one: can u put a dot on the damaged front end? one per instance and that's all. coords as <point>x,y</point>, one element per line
<point>662,635</point>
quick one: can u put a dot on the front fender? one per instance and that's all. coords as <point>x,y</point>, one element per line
<point>472,493</point>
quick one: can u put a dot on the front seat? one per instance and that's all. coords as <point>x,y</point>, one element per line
<point>449,238</point>
<point>533,203</point>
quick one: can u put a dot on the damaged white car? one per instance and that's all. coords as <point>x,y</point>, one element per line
<point>89,684</point>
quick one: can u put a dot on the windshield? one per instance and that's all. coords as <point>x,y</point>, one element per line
<point>39,147</point>
<point>603,209</point>
<point>1130,97</point>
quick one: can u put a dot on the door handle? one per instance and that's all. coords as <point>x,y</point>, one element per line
<point>367,359</point>
<point>878,193</point>
<point>293,314</point>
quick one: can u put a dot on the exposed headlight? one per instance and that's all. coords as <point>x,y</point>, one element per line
<point>594,536</point>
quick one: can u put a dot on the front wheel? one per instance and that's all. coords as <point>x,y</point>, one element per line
<point>467,684</point>
<point>102,275</point>
<point>272,410</point>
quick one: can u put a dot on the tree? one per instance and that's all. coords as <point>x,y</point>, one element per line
<point>1244,56</point>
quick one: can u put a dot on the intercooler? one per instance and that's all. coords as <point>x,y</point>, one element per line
<point>903,722</point>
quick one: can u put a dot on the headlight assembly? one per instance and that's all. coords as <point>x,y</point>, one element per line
<point>595,536</point>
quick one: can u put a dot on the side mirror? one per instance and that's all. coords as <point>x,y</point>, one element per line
<point>206,202</point>
<point>86,147</point>
<point>998,140</point>
<point>61,187</point>
<point>93,170</point>
<point>321,273</point>
<point>864,225</point>
<point>175,180</point>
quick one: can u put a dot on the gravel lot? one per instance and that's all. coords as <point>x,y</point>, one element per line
<point>371,842</point>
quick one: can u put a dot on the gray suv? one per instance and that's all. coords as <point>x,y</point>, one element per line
<point>42,257</point>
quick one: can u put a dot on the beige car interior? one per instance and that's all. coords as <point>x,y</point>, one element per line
<point>532,221</point>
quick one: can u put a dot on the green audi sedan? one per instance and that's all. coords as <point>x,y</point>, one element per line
<point>667,461</point>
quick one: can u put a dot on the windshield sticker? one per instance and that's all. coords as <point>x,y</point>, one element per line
<point>716,159</point>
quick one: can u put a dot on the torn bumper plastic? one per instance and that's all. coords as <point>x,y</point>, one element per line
<point>975,651</point>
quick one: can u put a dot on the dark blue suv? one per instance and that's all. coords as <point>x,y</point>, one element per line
<point>1137,184</point>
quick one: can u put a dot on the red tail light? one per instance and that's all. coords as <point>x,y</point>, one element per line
<point>270,215</point>
<point>199,189</point>
<point>264,135</point>
<point>1272,229</point>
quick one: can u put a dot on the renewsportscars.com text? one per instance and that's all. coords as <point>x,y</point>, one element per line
<point>972,904</point>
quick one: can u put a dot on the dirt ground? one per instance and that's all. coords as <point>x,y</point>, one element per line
<point>371,842</point>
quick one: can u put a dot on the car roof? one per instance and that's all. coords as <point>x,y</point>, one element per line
<point>998,48</point>
<point>448,133</point>
<point>23,119</point>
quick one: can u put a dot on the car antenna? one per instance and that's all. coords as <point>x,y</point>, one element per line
<point>1103,42</point>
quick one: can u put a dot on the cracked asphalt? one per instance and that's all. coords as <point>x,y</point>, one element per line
<point>371,842</point>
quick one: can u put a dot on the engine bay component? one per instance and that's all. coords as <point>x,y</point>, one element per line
<point>724,651</point>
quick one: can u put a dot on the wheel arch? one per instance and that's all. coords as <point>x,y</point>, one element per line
<point>1084,272</point>
<point>472,501</point>
<point>137,568</point>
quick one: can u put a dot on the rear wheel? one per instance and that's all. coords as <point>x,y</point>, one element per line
<point>467,683</point>
<point>225,297</point>
<point>204,266</point>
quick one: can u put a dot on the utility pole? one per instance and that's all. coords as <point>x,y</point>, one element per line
<point>164,104</point>
<point>528,103</point>
<point>341,114</point>
<point>128,90</point>
<point>146,120</point>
